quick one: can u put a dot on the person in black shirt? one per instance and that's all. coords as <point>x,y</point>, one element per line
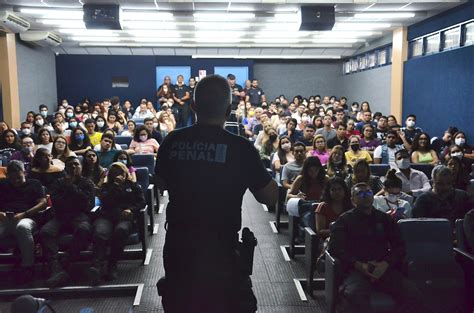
<point>291,130</point>
<point>181,98</point>
<point>237,91</point>
<point>370,248</point>
<point>192,86</point>
<point>148,122</point>
<point>206,171</point>
<point>121,199</point>
<point>340,139</point>
<point>20,200</point>
<point>72,198</point>
<point>255,95</point>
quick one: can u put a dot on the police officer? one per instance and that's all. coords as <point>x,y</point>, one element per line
<point>181,97</point>
<point>255,94</point>
<point>237,91</point>
<point>206,171</point>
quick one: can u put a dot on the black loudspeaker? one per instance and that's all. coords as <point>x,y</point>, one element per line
<point>102,16</point>
<point>317,17</point>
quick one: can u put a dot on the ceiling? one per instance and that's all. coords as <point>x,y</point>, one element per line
<point>213,29</point>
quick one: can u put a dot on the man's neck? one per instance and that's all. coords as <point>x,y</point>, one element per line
<point>327,127</point>
<point>406,172</point>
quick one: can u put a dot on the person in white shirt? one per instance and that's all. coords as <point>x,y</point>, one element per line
<point>393,199</point>
<point>142,111</point>
<point>414,182</point>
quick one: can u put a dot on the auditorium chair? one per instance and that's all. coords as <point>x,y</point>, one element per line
<point>466,259</point>
<point>139,121</point>
<point>379,169</point>
<point>430,263</point>
<point>123,140</point>
<point>143,179</point>
<point>425,168</point>
<point>144,160</point>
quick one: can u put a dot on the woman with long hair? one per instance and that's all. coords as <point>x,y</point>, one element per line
<point>361,174</point>
<point>337,166</point>
<point>369,142</point>
<point>336,199</point>
<point>44,140</point>
<point>130,131</point>
<point>61,149</point>
<point>42,168</point>
<point>269,145</point>
<point>143,142</point>
<point>91,168</point>
<point>126,159</point>
<point>320,150</point>
<point>354,153</point>
<point>310,183</point>
<point>421,151</point>
<point>9,141</point>
<point>80,141</point>
<point>284,154</point>
<point>460,175</point>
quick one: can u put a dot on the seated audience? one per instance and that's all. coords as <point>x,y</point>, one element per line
<point>307,137</point>
<point>414,182</point>
<point>44,140</point>
<point>101,124</point>
<point>124,157</point>
<point>112,123</point>
<point>269,145</point>
<point>443,201</point>
<point>337,165</point>
<point>166,124</point>
<point>9,142</point>
<point>120,199</point>
<point>385,154</point>
<point>130,130</point>
<point>461,141</point>
<point>335,200</point>
<point>421,150</point>
<point>393,200</point>
<point>371,262</point>
<point>469,230</point>
<point>80,141</point>
<point>283,155</point>
<point>410,130</point>
<point>460,175</point>
<point>142,142</point>
<point>25,130</point>
<point>92,169</point>
<point>21,199</point>
<point>355,153</point>
<point>40,123</point>
<point>361,174</point>
<point>142,111</point>
<point>327,131</point>
<point>440,144</point>
<point>340,139</point>
<point>42,168</point>
<point>151,126</point>
<point>366,119</point>
<point>382,129</point>
<point>351,130</point>
<point>60,130</point>
<point>94,135</point>
<point>72,198</point>
<point>61,149</point>
<point>291,130</point>
<point>112,133</point>
<point>293,169</point>
<point>319,149</point>
<point>107,150</point>
<point>26,154</point>
<point>368,142</point>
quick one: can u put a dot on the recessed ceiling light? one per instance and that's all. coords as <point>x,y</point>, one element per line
<point>147,16</point>
<point>65,23</point>
<point>383,15</point>
<point>223,16</point>
<point>92,38</point>
<point>52,13</point>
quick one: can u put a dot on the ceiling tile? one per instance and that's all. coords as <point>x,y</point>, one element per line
<point>120,51</point>
<point>163,51</point>
<point>185,51</point>
<point>228,51</point>
<point>142,51</point>
<point>270,51</point>
<point>292,51</point>
<point>207,51</point>
<point>333,51</point>
<point>97,50</point>
<point>75,50</point>
<point>249,51</point>
<point>313,51</point>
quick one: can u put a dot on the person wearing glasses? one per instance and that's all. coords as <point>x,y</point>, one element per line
<point>370,248</point>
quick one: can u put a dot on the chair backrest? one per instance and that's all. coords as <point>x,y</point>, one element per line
<point>379,169</point>
<point>139,121</point>
<point>427,240</point>
<point>124,146</point>
<point>144,160</point>
<point>143,179</point>
<point>460,236</point>
<point>123,140</point>
<point>425,168</point>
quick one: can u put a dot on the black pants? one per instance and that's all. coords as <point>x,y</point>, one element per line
<point>115,234</point>
<point>202,275</point>
<point>183,112</point>
<point>80,227</point>
<point>356,289</point>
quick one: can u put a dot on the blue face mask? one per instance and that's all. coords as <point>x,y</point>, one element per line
<point>69,114</point>
<point>44,113</point>
<point>80,137</point>
<point>73,124</point>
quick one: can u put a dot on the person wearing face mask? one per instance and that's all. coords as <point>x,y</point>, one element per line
<point>460,173</point>
<point>152,129</point>
<point>269,145</point>
<point>80,141</point>
<point>26,153</point>
<point>126,159</point>
<point>443,201</point>
<point>283,155</point>
<point>414,182</point>
<point>337,165</point>
<point>460,141</point>
<point>43,111</point>
<point>355,153</point>
<point>410,128</point>
<point>26,131</point>
<point>393,200</point>
<point>370,248</point>
<point>40,123</point>
<point>142,142</point>
<point>101,124</point>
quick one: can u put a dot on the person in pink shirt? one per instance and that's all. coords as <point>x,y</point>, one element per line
<point>142,142</point>
<point>319,149</point>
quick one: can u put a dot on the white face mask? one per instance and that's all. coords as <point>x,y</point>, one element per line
<point>458,155</point>
<point>392,197</point>
<point>73,124</point>
<point>144,138</point>
<point>410,123</point>
<point>124,161</point>
<point>286,146</point>
<point>305,119</point>
<point>62,111</point>
<point>155,125</point>
<point>403,163</point>
<point>40,122</point>
<point>69,114</point>
<point>100,124</point>
<point>26,131</point>
<point>460,141</point>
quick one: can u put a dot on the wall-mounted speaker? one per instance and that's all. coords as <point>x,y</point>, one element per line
<point>317,17</point>
<point>102,16</point>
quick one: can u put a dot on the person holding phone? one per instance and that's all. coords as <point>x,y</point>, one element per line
<point>20,200</point>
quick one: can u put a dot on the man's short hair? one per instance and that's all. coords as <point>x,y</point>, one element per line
<point>310,126</point>
<point>393,133</point>
<point>440,170</point>
<point>231,76</point>
<point>89,121</point>
<point>147,119</point>
<point>340,125</point>
<point>25,123</point>
<point>43,106</point>
<point>292,120</point>
<point>411,115</point>
<point>115,100</point>
<point>299,144</point>
<point>71,158</point>
<point>212,96</point>
<point>401,151</point>
<point>15,166</point>
<point>357,186</point>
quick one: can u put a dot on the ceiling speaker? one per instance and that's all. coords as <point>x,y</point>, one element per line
<point>317,17</point>
<point>102,16</point>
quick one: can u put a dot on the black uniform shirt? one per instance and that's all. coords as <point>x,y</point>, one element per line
<point>255,96</point>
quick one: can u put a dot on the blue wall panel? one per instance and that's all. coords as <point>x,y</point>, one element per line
<point>439,90</point>
<point>173,72</point>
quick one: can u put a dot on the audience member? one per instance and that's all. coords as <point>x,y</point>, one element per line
<point>107,150</point>
<point>361,174</point>
<point>440,144</point>
<point>45,140</point>
<point>327,131</point>
<point>351,131</point>
<point>340,139</point>
<point>366,120</point>
<point>42,168</point>
<point>80,141</point>
<point>443,201</point>
<point>307,137</point>
<point>393,200</point>
<point>143,143</point>
<point>371,262</point>
<point>414,182</point>
<point>291,130</point>
<point>92,169</point>
<point>72,198</point>
<point>410,130</point>
<point>382,129</point>
<point>101,124</point>
<point>283,155</point>
<point>21,199</point>
<point>131,125</point>
<point>125,158</point>
<point>26,154</point>
<point>368,142</point>
<point>113,123</point>
<point>121,199</point>
<point>355,153</point>
<point>385,154</point>
<point>421,150</point>
<point>94,135</point>
<point>9,142</point>
<point>337,165</point>
<point>319,149</point>
<point>152,129</point>
<point>460,175</point>
<point>25,130</point>
<point>61,149</point>
<point>293,169</point>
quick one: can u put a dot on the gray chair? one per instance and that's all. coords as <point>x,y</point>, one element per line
<point>379,169</point>
<point>123,140</point>
<point>143,179</point>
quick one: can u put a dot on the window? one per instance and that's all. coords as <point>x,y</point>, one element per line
<point>354,65</point>
<point>432,43</point>
<point>362,62</point>
<point>119,82</point>
<point>382,57</point>
<point>347,67</point>
<point>451,38</point>
<point>417,47</point>
<point>371,61</point>
<point>469,34</point>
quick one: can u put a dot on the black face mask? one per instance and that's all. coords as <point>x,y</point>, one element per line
<point>355,147</point>
<point>273,137</point>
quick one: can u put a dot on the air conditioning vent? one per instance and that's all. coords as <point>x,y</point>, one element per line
<point>41,38</point>
<point>11,23</point>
